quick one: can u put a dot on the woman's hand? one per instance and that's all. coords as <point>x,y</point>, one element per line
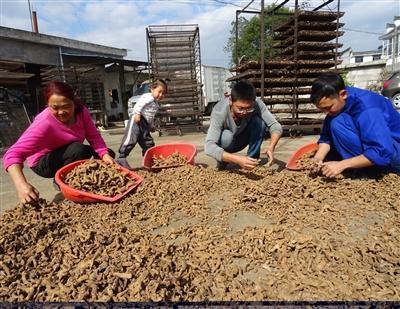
<point>108,159</point>
<point>27,193</point>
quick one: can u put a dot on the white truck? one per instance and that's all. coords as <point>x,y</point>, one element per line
<point>214,85</point>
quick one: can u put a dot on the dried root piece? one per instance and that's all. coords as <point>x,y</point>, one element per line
<point>306,162</point>
<point>173,160</point>
<point>98,177</point>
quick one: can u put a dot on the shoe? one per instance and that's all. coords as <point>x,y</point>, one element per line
<point>124,163</point>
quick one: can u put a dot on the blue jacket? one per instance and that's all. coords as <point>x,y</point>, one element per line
<point>377,122</point>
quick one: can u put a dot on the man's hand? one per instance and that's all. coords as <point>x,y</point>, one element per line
<point>332,168</point>
<point>269,151</point>
<point>317,161</point>
<point>108,159</point>
<point>136,118</point>
<point>246,163</point>
<point>27,193</point>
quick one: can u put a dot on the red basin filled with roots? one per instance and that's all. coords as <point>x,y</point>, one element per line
<point>91,197</point>
<point>292,162</point>
<point>186,149</point>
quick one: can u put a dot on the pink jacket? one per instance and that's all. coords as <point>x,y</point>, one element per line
<point>47,133</point>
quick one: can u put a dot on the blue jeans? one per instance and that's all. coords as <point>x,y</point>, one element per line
<point>252,136</point>
<point>347,142</point>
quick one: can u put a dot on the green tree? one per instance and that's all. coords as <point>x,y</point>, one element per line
<point>249,41</point>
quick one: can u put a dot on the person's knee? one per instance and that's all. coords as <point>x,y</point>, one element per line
<point>80,151</point>
<point>344,131</point>
<point>226,139</point>
<point>341,124</point>
<point>346,136</point>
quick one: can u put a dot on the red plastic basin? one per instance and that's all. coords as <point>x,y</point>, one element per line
<point>292,162</point>
<point>186,149</point>
<point>88,197</point>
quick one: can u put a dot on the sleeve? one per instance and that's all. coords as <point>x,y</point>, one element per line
<point>93,135</point>
<point>376,137</point>
<point>211,147</point>
<point>325,136</point>
<point>269,119</point>
<point>141,103</point>
<point>28,144</point>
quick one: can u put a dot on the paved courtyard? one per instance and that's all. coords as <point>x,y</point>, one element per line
<point>8,197</point>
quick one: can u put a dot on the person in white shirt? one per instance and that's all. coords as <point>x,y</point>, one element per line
<point>141,122</point>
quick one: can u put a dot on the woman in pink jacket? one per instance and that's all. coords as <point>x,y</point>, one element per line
<point>54,139</point>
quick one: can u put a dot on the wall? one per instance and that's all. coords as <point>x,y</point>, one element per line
<point>364,74</point>
<point>55,41</point>
<point>366,58</point>
<point>28,52</point>
<point>393,68</point>
<point>111,81</point>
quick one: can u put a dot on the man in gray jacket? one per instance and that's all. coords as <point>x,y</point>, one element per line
<point>238,121</point>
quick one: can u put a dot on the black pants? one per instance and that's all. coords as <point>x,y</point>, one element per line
<point>50,163</point>
<point>136,133</point>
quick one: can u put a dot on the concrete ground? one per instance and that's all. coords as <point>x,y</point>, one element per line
<point>112,137</point>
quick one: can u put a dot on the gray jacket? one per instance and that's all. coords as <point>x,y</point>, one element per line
<point>221,119</point>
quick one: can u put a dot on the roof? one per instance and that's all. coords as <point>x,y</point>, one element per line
<point>39,38</point>
<point>367,52</point>
<point>95,59</point>
<point>389,34</point>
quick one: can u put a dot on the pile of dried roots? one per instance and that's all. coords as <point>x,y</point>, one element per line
<point>98,177</point>
<point>173,160</point>
<point>193,233</point>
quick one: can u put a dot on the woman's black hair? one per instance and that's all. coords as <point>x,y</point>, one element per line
<point>327,85</point>
<point>65,90</point>
<point>243,90</point>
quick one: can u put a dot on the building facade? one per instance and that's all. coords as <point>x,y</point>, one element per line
<point>363,68</point>
<point>391,45</point>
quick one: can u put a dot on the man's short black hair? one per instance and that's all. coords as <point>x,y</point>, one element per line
<point>243,90</point>
<point>327,85</point>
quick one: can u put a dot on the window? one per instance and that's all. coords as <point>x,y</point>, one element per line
<point>376,57</point>
<point>359,59</point>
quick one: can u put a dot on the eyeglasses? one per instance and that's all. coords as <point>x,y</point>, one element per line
<point>241,110</point>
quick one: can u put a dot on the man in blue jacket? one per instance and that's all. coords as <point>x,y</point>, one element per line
<point>361,127</point>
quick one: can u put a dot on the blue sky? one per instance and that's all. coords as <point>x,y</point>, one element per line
<point>122,24</point>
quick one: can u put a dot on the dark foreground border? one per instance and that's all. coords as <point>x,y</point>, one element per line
<point>214,304</point>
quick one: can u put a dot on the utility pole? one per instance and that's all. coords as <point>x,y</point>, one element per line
<point>30,14</point>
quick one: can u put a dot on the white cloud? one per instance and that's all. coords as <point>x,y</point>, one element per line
<point>368,16</point>
<point>168,9</point>
<point>15,15</point>
<point>122,24</point>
